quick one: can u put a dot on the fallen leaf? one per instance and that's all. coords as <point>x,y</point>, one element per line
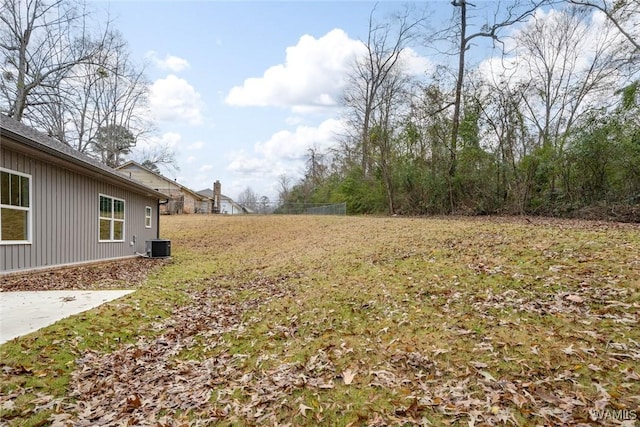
<point>348,375</point>
<point>413,410</point>
<point>8,405</point>
<point>438,351</point>
<point>303,409</point>
<point>574,298</point>
<point>487,376</point>
<point>478,365</point>
<point>133,402</point>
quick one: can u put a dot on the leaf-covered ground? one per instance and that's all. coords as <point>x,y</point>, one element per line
<point>352,321</point>
<point>129,273</point>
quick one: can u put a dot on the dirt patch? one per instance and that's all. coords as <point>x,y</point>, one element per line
<point>128,273</point>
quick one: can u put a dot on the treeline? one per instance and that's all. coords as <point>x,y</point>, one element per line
<point>551,127</point>
<point>66,71</point>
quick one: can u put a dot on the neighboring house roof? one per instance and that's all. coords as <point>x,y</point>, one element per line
<point>208,193</point>
<point>35,140</point>
<point>130,163</point>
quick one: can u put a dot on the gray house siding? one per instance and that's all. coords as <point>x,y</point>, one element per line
<point>65,216</point>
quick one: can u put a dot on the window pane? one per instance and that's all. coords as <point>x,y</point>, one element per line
<point>105,229</point>
<point>118,208</point>
<point>14,224</point>
<point>15,190</point>
<point>4,188</point>
<point>105,207</point>
<point>24,191</point>
<point>118,230</point>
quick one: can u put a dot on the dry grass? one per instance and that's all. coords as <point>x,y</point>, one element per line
<point>370,321</point>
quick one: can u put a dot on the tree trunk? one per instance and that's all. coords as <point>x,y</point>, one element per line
<point>455,125</point>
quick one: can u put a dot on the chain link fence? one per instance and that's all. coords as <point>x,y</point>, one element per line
<point>286,208</point>
<point>311,209</point>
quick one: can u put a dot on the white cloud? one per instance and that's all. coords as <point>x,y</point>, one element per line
<point>171,63</point>
<point>168,139</point>
<point>196,145</point>
<point>286,151</point>
<point>201,182</point>
<point>245,164</point>
<point>174,99</point>
<point>414,64</point>
<point>191,159</point>
<point>313,74</point>
<point>294,120</point>
<point>205,168</point>
<point>295,145</point>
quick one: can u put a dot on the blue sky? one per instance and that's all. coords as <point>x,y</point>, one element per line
<point>242,89</point>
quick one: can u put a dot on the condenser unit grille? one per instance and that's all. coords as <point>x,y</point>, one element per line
<point>158,248</point>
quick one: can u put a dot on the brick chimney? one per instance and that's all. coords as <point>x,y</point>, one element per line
<point>217,191</point>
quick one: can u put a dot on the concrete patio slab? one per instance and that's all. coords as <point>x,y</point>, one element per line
<point>25,312</point>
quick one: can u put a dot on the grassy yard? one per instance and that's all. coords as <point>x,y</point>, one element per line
<point>349,321</point>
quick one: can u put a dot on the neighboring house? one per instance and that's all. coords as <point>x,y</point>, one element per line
<point>60,207</point>
<point>227,205</point>
<point>180,198</point>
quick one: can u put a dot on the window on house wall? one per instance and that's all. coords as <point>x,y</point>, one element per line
<point>111,219</point>
<point>15,207</point>
<point>147,217</point>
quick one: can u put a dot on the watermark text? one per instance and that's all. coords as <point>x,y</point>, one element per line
<point>613,414</point>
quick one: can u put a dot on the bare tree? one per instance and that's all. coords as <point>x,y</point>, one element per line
<point>78,90</point>
<point>385,121</point>
<point>567,65</point>
<point>428,115</point>
<point>248,199</point>
<point>69,110</point>
<point>157,156</point>
<point>624,14</point>
<point>109,91</point>
<point>284,187</point>
<point>513,14</point>
<point>316,167</point>
<point>384,46</point>
<point>40,42</point>
<point>502,111</point>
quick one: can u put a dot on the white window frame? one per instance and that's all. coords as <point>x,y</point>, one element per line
<point>112,219</point>
<point>29,210</point>
<point>148,213</point>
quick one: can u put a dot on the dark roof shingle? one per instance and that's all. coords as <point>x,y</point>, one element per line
<point>39,141</point>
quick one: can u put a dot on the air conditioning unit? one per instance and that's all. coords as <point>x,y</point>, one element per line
<point>158,248</point>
